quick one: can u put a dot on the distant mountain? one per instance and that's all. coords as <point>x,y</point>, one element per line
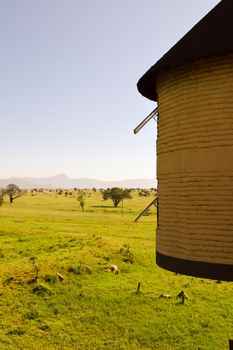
<point>63,181</point>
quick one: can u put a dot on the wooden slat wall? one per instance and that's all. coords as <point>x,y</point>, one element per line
<point>195,161</point>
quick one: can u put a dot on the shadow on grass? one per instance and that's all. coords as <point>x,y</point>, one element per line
<point>103,206</point>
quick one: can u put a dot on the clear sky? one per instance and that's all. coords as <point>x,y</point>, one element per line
<point>68,74</point>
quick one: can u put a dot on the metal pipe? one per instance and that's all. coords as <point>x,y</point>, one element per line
<point>146,120</point>
<point>155,201</point>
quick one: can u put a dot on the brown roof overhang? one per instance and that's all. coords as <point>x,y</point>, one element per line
<point>213,35</point>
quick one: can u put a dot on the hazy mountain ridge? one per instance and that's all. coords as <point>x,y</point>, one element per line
<point>63,181</point>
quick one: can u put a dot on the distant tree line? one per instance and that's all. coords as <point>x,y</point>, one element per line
<point>115,194</point>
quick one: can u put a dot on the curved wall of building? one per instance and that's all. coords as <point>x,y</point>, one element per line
<point>195,167</point>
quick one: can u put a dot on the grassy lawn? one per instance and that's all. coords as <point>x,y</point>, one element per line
<point>91,308</point>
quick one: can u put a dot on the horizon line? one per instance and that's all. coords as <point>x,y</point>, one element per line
<point>75,178</point>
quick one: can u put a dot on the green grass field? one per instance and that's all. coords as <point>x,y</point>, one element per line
<point>91,308</point>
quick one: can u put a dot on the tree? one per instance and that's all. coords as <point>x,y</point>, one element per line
<point>116,194</point>
<point>13,191</point>
<point>1,199</point>
<point>81,199</point>
<point>144,193</point>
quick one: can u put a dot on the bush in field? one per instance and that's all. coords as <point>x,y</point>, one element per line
<point>116,194</point>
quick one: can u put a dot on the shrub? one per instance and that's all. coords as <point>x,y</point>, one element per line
<point>1,199</point>
<point>41,290</point>
<point>16,331</point>
<point>79,270</point>
<point>32,315</point>
<point>127,255</point>
<point>50,278</point>
<point>144,193</point>
<point>75,269</point>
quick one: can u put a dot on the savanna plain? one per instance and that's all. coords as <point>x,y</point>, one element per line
<point>56,291</point>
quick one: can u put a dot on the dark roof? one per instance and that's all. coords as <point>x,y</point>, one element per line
<point>213,35</point>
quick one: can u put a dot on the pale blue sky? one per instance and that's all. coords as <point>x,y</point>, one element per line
<point>68,74</point>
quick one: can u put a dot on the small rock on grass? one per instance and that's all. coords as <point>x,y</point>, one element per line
<point>112,268</point>
<point>60,277</point>
<point>165,296</point>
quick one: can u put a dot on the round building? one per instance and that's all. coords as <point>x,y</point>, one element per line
<point>193,86</point>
